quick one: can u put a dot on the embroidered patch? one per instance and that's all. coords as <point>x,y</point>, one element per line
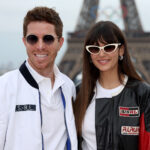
<point>130,130</point>
<point>25,108</point>
<point>129,111</point>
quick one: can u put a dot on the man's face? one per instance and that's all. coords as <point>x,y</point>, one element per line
<point>42,45</point>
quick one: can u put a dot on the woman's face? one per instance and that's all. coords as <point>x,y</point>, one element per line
<point>107,62</point>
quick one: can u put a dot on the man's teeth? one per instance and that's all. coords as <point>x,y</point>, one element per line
<point>41,56</point>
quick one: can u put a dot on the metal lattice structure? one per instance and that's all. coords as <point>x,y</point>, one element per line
<point>138,40</point>
<point>88,15</point>
<point>130,16</point>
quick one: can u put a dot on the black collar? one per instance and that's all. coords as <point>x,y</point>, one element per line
<point>27,75</point>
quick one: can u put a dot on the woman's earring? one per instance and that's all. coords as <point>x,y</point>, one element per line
<point>120,57</point>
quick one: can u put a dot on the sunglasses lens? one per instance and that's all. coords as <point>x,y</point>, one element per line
<point>93,49</point>
<point>32,39</point>
<point>109,48</point>
<point>48,39</point>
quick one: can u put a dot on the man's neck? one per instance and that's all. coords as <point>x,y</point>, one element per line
<point>48,73</point>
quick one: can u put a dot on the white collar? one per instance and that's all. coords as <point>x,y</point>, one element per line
<point>121,87</point>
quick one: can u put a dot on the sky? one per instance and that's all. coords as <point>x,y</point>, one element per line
<point>12,12</point>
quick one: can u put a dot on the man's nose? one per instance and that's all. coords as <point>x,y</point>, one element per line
<point>40,44</point>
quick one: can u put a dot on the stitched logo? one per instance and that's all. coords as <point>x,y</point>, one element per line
<point>130,130</point>
<point>129,111</point>
<point>25,108</point>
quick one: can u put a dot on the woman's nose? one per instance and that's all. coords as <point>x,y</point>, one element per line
<point>101,52</point>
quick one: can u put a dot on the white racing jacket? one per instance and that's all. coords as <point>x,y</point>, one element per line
<point>20,111</point>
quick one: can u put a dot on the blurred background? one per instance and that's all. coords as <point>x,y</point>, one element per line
<point>132,16</point>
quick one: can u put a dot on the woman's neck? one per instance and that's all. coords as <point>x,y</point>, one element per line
<point>110,81</point>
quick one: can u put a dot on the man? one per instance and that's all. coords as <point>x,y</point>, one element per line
<point>36,100</point>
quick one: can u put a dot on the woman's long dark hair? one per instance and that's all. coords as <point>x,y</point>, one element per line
<point>100,32</point>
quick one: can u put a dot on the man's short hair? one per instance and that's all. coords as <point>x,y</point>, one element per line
<point>46,14</point>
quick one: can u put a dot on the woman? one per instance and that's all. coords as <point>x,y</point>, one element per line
<point>113,105</point>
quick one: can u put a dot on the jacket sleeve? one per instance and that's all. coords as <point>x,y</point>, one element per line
<point>144,132</point>
<point>3,115</point>
<point>144,135</point>
<point>3,129</point>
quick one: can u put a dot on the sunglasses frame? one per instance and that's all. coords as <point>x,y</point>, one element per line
<point>48,43</point>
<point>102,48</point>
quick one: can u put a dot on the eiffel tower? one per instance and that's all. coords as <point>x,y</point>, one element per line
<point>138,40</point>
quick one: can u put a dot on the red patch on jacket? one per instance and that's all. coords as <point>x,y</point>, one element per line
<point>129,111</point>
